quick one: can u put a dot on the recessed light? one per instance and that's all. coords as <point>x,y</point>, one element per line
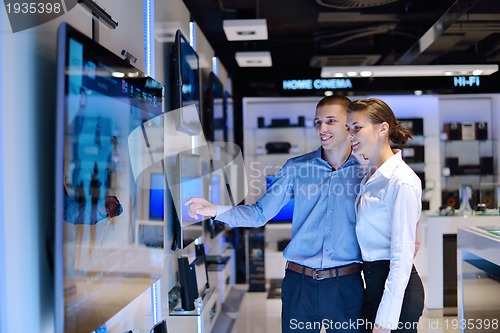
<point>245,29</point>
<point>365,73</point>
<point>254,59</point>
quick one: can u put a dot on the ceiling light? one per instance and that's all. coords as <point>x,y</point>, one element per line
<point>365,73</point>
<point>245,29</point>
<point>328,93</point>
<point>352,73</point>
<point>412,70</point>
<point>254,59</point>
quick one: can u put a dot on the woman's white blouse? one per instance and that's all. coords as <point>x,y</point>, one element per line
<point>387,212</point>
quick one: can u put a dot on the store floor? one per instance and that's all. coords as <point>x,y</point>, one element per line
<point>259,314</point>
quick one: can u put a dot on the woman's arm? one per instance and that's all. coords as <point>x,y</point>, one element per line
<point>406,207</point>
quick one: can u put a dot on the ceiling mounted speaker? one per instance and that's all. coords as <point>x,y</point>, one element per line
<point>346,4</point>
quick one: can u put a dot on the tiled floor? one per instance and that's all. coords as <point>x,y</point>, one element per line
<point>258,314</point>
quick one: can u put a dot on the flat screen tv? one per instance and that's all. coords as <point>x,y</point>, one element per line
<point>214,117</point>
<point>286,213</point>
<point>101,100</point>
<point>189,183</point>
<point>186,90</point>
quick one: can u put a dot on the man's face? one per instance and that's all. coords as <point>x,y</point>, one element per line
<point>330,121</point>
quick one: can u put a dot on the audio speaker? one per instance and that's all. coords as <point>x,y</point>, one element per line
<point>481,130</point>
<point>450,198</point>
<point>452,164</point>
<point>453,130</point>
<point>278,147</point>
<point>414,154</point>
<point>486,165</point>
<point>488,198</point>
<point>301,121</point>
<point>261,122</point>
<point>187,281</point>
<point>415,125</point>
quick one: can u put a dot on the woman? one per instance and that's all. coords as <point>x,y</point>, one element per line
<point>387,211</point>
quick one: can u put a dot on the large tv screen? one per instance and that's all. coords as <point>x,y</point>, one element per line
<point>102,99</point>
<point>214,118</point>
<point>186,90</point>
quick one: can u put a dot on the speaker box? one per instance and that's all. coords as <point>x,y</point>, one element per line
<point>452,164</point>
<point>301,121</point>
<point>187,281</point>
<point>414,154</point>
<point>261,122</point>
<point>416,125</point>
<point>488,198</point>
<point>280,122</point>
<point>278,147</point>
<point>486,165</point>
<point>450,198</point>
<point>481,130</point>
<point>453,130</point>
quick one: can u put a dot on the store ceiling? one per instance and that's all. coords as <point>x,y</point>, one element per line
<point>305,35</point>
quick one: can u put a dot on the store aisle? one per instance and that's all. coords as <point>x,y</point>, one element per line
<point>259,314</point>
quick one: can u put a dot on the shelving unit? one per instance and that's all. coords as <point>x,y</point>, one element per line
<point>468,152</point>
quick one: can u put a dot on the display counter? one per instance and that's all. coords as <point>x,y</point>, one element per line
<point>479,278</point>
<point>441,233</point>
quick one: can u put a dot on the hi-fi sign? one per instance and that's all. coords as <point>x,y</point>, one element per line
<point>466,81</point>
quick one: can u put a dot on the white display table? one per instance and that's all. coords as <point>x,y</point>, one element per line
<point>478,269</point>
<point>437,227</point>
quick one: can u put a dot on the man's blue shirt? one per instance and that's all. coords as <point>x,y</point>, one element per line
<point>323,225</point>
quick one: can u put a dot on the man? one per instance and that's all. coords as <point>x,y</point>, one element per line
<point>322,284</point>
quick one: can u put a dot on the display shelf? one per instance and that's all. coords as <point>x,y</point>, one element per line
<point>201,319</point>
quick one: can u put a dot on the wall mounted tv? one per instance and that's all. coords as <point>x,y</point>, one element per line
<point>214,118</point>
<point>101,99</point>
<point>189,183</point>
<point>286,213</point>
<point>186,90</point>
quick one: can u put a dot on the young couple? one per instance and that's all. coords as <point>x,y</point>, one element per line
<point>348,217</point>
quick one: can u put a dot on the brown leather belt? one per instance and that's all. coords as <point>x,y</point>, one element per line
<point>321,274</point>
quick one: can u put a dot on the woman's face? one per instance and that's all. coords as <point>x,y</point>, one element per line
<point>365,137</point>
<point>330,123</point>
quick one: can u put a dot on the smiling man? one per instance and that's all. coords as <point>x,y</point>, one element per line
<point>323,274</point>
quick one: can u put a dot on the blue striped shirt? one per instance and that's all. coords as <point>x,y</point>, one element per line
<point>324,220</point>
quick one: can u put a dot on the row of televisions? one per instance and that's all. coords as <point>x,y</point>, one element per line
<point>101,100</point>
